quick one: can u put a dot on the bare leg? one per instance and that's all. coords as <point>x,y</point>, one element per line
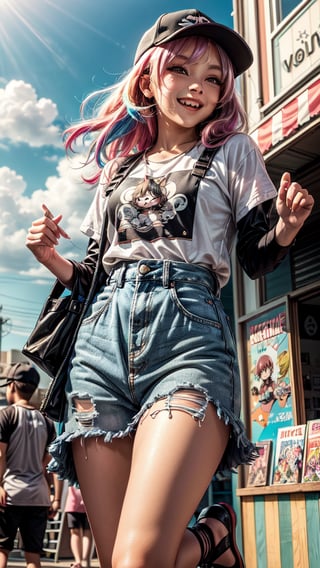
<point>103,472</point>
<point>173,462</point>
<point>86,548</point>
<point>76,544</point>
<point>3,558</point>
<point>32,559</point>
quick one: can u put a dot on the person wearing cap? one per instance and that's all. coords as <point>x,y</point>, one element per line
<point>153,388</point>
<point>24,438</point>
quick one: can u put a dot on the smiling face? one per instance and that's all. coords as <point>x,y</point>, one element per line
<point>189,90</point>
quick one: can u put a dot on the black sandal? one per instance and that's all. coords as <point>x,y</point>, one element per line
<point>209,550</point>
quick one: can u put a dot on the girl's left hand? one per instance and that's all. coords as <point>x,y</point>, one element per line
<point>294,203</point>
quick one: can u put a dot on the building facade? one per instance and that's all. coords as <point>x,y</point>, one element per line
<point>278,316</point>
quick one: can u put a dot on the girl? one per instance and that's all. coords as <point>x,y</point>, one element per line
<point>78,525</point>
<point>153,386</point>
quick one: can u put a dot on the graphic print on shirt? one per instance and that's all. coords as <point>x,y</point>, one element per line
<point>153,208</point>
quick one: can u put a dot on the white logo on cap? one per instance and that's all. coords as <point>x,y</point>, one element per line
<point>191,20</point>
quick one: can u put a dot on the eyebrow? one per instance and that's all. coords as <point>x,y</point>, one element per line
<point>214,66</point>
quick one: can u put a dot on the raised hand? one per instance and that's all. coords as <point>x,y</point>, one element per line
<point>294,203</point>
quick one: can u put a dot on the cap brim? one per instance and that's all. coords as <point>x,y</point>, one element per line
<point>231,42</point>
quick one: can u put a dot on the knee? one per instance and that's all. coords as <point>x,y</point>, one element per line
<point>138,557</point>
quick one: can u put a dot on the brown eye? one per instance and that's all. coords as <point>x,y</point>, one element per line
<point>177,69</point>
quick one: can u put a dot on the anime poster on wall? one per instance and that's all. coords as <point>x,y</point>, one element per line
<point>269,374</point>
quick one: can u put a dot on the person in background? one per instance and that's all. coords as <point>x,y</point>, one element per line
<point>81,540</point>
<point>25,435</point>
<point>153,387</point>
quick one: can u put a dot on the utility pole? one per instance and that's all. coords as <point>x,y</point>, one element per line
<point>3,321</point>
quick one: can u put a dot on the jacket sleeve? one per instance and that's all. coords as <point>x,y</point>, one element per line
<point>257,250</point>
<point>84,270</point>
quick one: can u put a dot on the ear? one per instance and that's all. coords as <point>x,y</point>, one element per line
<point>145,86</point>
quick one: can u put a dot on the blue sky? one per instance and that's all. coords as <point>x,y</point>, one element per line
<point>52,54</point>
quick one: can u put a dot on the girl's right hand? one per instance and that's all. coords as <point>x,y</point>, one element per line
<point>43,236</point>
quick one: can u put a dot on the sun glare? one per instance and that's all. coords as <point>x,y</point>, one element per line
<point>35,28</point>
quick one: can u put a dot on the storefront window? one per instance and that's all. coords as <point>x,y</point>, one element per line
<point>309,332</point>
<point>278,282</point>
<point>285,7</point>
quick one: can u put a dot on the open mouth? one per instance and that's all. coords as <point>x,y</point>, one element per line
<point>189,103</point>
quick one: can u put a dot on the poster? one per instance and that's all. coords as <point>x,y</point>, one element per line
<point>311,463</point>
<point>269,374</point>
<point>258,474</point>
<point>289,455</point>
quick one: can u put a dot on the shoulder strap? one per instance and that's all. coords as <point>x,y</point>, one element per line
<point>124,169</point>
<point>204,161</point>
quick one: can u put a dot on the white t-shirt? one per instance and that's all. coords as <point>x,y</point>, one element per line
<point>171,220</point>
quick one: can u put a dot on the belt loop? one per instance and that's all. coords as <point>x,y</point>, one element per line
<point>121,275</point>
<point>166,273</point>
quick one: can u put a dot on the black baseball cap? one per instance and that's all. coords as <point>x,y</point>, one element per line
<point>23,372</point>
<point>185,23</point>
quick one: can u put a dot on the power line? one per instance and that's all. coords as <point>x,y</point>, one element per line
<point>3,321</point>
<point>20,299</point>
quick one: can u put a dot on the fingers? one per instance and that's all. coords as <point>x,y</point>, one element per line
<point>47,213</point>
<point>296,197</point>
<point>293,195</point>
<point>43,232</point>
<point>285,179</point>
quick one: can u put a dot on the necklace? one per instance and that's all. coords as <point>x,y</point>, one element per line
<point>173,153</point>
<point>171,158</point>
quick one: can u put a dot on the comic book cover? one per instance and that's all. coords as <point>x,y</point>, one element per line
<point>269,374</point>
<point>259,470</point>
<point>311,462</point>
<point>289,454</point>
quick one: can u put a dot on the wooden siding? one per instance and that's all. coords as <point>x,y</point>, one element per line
<point>281,530</point>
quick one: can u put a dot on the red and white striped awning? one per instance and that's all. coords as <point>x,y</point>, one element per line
<point>286,121</point>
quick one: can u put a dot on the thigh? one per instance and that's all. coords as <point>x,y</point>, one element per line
<point>174,459</point>
<point>103,472</point>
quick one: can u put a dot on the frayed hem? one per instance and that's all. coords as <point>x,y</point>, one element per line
<point>61,450</point>
<point>239,451</point>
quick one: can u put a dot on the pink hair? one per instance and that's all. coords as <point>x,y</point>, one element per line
<point>124,120</point>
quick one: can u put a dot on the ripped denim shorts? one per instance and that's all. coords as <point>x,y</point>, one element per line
<point>155,328</point>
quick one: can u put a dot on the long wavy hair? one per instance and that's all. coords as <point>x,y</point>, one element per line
<point>124,121</point>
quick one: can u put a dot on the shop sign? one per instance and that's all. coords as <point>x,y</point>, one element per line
<point>297,47</point>
<point>269,381</point>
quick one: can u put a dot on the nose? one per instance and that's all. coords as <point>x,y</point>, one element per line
<point>196,86</point>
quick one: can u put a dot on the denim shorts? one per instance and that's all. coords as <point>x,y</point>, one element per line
<point>155,328</point>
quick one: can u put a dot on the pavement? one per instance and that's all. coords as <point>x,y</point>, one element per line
<point>47,563</point>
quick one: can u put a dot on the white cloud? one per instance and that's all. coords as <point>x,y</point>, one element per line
<point>24,118</point>
<point>64,193</point>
